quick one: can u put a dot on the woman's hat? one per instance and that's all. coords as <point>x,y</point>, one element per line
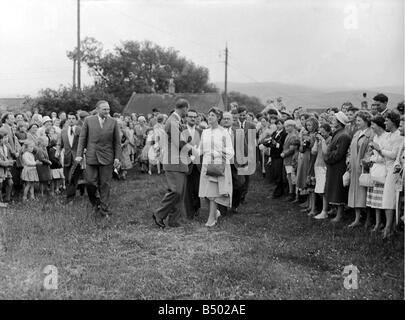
<point>290,122</point>
<point>32,124</point>
<point>342,118</point>
<point>46,119</point>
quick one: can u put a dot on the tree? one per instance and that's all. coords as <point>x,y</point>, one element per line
<point>145,67</point>
<point>90,52</point>
<point>67,100</point>
<point>251,103</point>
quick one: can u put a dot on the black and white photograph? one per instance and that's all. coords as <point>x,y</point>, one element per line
<point>202,154</point>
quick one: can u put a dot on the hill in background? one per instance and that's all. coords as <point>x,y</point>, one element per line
<point>307,97</point>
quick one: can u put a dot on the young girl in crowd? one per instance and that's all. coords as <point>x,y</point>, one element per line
<point>312,127</point>
<point>56,168</point>
<point>289,148</point>
<point>29,173</point>
<point>43,168</point>
<point>5,164</point>
<point>320,147</point>
<point>131,136</point>
<point>126,163</point>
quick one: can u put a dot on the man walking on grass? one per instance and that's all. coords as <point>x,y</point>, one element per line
<point>100,137</point>
<point>175,169</point>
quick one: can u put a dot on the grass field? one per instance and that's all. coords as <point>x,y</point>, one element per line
<point>268,251</point>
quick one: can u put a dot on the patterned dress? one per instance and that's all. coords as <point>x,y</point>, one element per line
<point>375,194</point>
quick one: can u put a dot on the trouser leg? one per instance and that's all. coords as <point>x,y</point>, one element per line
<point>92,183</point>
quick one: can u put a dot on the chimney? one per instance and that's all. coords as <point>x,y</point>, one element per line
<point>172,87</point>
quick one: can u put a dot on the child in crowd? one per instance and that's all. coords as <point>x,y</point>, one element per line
<point>289,148</point>
<point>29,173</point>
<point>43,169</point>
<point>144,158</point>
<point>6,163</point>
<point>56,168</point>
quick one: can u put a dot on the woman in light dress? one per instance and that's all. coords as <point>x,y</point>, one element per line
<point>388,150</point>
<point>216,147</point>
<point>357,151</point>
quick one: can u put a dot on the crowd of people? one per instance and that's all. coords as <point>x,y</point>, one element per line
<point>344,160</point>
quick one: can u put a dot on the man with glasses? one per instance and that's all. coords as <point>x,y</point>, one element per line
<point>192,134</point>
<point>237,180</point>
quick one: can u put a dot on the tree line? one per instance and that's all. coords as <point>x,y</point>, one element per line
<point>132,66</point>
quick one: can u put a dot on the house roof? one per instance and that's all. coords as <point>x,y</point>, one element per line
<point>10,103</point>
<point>144,103</point>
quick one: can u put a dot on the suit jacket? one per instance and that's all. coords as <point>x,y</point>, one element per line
<point>237,145</point>
<point>276,144</point>
<point>248,125</point>
<point>63,143</point>
<point>171,158</point>
<point>102,145</point>
<point>195,141</point>
<point>351,129</point>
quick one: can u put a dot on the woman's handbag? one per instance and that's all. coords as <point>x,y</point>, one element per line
<point>378,173</point>
<point>365,179</point>
<point>215,169</point>
<point>346,179</point>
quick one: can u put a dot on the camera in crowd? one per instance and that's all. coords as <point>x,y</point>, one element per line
<point>306,144</point>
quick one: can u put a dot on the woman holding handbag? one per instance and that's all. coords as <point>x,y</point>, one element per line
<point>388,151</point>
<point>357,150</point>
<point>216,177</point>
<point>375,193</point>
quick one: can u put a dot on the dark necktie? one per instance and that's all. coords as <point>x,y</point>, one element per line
<point>71,131</point>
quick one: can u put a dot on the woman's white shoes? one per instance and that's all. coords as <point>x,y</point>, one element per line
<point>213,223</point>
<point>322,215</point>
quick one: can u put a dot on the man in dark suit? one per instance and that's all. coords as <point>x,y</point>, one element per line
<point>68,141</point>
<point>192,134</point>
<point>175,167</point>
<point>276,143</point>
<point>101,138</point>
<point>242,123</point>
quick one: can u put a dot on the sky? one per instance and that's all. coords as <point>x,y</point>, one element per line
<point>316,43</point>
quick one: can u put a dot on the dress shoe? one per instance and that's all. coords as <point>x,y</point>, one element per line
<point>321,216</point>
<point>159,222</point>
<point>290,198</point>
<point>105,213</point>
<point>174,224</point>
<point>96,209</point>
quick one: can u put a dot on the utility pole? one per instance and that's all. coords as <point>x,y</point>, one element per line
<point>226,78</point>
<point>74,73</point>
<point>78,47</point>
